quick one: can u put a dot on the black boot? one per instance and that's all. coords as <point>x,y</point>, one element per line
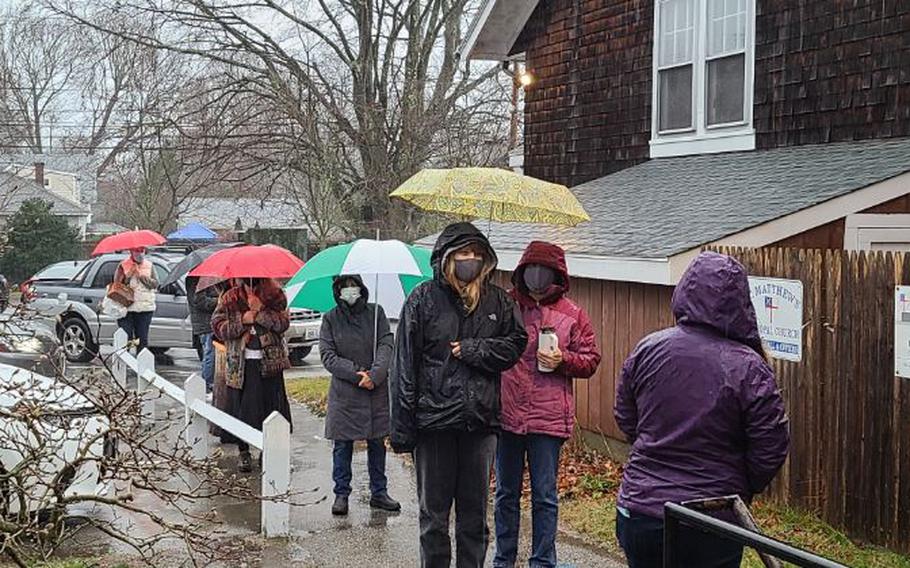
<point>385,503</point>
<point>246,462</point>
<point>340,507</point>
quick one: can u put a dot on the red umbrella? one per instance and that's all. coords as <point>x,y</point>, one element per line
<point>265,261</point>
<point>128,240</point>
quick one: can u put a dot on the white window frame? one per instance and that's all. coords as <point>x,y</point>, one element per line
<point>701,138</point>
<point>864,229</point>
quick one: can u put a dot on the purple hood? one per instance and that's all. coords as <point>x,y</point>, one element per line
<point>714,292</point>
<point>697,401</point>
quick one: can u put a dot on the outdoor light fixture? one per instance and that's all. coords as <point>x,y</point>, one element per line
<point>525,78</point>
<point>518,72</point>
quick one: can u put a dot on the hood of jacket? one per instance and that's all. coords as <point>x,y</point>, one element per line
<point>456,236</point>
<point>337,282</point>
<point>714,293</point>
<point>544,254</point>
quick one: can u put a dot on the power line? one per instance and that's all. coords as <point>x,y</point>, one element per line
<point>156,147</point>
<point>50,123</point>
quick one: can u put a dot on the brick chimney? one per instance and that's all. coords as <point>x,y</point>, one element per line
<point>39,173</point>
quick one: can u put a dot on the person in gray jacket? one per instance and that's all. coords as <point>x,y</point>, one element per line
<point>202,304</point>
<point>355,344</point>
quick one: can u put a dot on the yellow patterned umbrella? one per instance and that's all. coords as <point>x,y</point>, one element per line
<point>494,194</point>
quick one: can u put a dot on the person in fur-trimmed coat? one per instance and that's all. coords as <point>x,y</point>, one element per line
<point>251,319</point>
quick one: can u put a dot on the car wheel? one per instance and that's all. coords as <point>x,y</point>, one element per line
<point>76,338</point>
<point>298,355</point>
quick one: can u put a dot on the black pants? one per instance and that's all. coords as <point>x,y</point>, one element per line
<point>136,325</point>
<point>259,397</point>
<point>642,539</point>
<point>454,467</point>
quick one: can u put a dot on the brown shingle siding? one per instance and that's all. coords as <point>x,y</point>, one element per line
<point>831,71</point>
<point>825,71</point>
<point>599,52</point>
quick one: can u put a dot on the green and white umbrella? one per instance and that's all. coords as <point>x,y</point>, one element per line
<point>389,269</point>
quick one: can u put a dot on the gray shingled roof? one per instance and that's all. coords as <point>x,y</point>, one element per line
<point>670,205</point>
<point>221,213</point>
<point>74,163</point>
<point>14,190</point>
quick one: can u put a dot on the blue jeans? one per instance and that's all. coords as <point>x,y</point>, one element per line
<point>136,325</point>
<point>543,461</point>
<point>208,360</point>
<point>342,453</point>
<point>642,539</point>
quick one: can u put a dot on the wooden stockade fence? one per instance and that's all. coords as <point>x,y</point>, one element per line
<point>849,413</point>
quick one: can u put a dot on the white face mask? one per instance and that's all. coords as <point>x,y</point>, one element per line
<point>350,295</point>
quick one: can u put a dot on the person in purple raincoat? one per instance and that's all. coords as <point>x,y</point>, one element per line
<point>703,413</point>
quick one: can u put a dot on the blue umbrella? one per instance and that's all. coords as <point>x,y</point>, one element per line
<point>193,232</point>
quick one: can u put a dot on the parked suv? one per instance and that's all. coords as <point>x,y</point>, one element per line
<point>75,305</point>
<point>82,327</point>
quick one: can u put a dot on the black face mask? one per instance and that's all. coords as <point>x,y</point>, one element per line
<point>538,278</point>
<point>468,270</point>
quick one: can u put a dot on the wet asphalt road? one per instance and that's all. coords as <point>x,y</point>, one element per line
<point>365,537</point>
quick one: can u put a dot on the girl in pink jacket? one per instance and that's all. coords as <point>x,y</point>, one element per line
<point>538,406</point>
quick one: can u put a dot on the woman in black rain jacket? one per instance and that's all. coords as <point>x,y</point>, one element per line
<point>456,334</point>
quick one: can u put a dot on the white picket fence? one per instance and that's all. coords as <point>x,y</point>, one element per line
<point>274,440</point>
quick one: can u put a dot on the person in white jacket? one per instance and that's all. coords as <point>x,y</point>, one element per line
<point>137,272</point>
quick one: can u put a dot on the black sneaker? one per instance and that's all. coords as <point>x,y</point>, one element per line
<point>246,462</point>
<point>340,506</point>
<point>385,503</point>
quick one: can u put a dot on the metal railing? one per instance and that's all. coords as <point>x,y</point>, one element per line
<point>676,516</point>
<point>274,440</point>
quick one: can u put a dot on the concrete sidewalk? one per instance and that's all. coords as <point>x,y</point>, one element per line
<point>365,537</point>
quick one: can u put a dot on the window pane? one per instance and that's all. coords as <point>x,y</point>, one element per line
<point>677,32</point>
<point>105,275</point>
<point>726,26</point>
<point>675,93</point>
<point>726,89</point>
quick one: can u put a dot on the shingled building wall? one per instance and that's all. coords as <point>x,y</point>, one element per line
<point>588,112</point>
<point>825,71</point>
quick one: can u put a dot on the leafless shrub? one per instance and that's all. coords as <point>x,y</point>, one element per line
<point>61,434</point>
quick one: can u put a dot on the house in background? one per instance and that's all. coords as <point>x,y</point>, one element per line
<point>14,190</point>
<point>71,176</point>
<point>97,230</point>
<point>231,217</point>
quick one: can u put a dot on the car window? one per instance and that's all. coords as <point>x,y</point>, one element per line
<point>161,272</point>
<point>61,270</point>
<point>83,273</point>
<point>105,274</point>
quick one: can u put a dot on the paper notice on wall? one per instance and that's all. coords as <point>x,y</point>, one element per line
<point>902,331</point>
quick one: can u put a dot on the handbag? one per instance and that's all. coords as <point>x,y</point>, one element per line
<point>220,396</point>
<point>120,293</point>
<point>275,357</point>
